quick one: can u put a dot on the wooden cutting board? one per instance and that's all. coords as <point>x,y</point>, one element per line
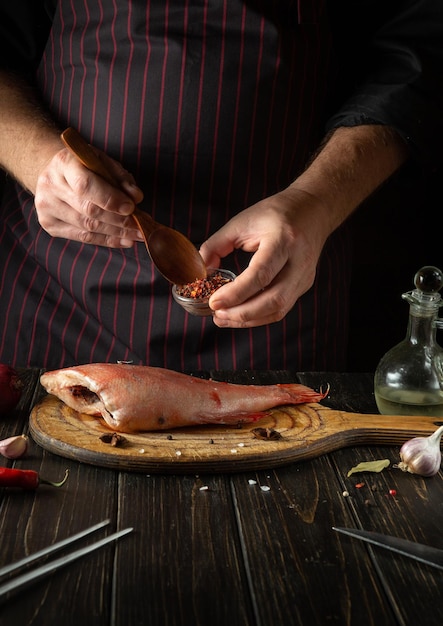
<point>304,431</point>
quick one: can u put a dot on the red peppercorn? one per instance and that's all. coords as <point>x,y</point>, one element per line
<point>202,287</point>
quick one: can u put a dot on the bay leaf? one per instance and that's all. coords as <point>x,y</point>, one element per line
<point>370,466</point>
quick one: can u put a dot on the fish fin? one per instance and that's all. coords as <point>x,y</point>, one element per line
<point>236,418</point>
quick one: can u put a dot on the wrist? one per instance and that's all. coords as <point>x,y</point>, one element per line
<point>41,147</point>
<point>30,138</point>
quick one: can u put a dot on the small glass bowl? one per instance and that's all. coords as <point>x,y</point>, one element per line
<point>200,306</point>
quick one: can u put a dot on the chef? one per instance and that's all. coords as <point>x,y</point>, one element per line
<point>254,127</point>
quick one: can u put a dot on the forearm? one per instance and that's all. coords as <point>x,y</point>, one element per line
<point>353,163</point>
<point>29,138</point>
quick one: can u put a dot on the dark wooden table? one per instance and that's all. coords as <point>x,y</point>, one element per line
<point>232,554</point>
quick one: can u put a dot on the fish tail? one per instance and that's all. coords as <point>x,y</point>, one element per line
<point>300,393</point>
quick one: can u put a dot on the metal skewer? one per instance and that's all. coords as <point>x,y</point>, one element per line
<point>27,578</point>
<point>418,551</point>
<point>27,560</point>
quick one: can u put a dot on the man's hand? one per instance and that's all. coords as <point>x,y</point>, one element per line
<point>286,232</point>
<point>74,203</point>
<point>286,241</point>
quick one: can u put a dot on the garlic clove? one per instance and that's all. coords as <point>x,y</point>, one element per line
<point>422,455</point>
<point>14,447</point>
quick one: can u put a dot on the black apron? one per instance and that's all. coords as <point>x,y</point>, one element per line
<point>212,105</point>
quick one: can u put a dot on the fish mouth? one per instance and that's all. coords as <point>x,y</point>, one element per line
<point>84,395</point>
<point>87,401</point>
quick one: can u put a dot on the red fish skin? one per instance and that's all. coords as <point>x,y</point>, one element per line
<point>133,398</point>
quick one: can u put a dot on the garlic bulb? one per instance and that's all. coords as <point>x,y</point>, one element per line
<point>422,455</point>
<point>14,447</point>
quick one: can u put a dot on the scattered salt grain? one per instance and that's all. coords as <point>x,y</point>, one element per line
<point>142,450</point>
<point>233,451</point>
<point>204,488</point>
<point>251,481</point>
<point>178,453</point>
<point>265,488</point>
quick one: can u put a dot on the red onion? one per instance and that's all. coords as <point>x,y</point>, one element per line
<point>10,388</point>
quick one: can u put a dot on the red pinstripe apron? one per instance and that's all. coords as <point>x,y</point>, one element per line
<point>212,105</point>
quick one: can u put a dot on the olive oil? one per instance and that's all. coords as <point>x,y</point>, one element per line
<point>404,402</point>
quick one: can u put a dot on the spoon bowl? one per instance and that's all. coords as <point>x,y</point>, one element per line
<point>173,254</point>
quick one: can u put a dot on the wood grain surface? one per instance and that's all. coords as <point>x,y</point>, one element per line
<point>304,431</point>
<point>244,549</point>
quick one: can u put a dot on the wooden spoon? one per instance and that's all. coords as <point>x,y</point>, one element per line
<point>172,253</point>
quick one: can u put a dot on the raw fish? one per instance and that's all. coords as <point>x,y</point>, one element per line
<point>134,398</point>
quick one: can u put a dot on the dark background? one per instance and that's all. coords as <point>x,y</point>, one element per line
<point>395,233</point>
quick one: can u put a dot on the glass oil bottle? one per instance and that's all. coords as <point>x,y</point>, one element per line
<point>409,378</point>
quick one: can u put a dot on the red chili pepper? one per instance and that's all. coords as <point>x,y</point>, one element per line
<point>26,479</point>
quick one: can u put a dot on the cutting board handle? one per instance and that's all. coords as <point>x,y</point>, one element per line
<point>362,428</point>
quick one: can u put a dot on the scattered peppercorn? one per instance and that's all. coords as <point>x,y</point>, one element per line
<point>266,433</point>
<point>115,439</point>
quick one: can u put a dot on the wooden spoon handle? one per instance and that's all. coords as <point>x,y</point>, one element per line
<point>86,155</point>
<point>145,224</point>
